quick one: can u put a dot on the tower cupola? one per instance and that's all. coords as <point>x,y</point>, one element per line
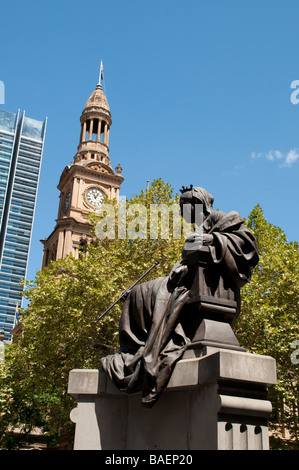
<point>95,126</point>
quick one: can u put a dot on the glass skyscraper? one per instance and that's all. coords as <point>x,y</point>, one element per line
<point>21,148</point>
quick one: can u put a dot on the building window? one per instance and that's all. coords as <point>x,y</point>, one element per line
<point>82,249</point>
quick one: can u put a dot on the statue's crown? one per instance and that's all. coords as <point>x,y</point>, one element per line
<point>185,189</point>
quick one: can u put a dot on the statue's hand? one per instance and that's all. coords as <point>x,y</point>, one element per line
<point>207,239</point>
<point>177,273</point>
<point>195,239</point>
<point>124,294</point>
<point>194,243</point>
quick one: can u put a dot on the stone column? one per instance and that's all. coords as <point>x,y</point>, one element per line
<point>99,131</point>
<point>68,246</point>
<point>45,257</point>
<point>60,245</point>
<point>216,399</point>
<point>83,134</point>
<point>75,192</point>
<point>105,141</point>
<point>90,128</point>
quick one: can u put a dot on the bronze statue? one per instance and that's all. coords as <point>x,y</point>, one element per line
<point>160,317</point>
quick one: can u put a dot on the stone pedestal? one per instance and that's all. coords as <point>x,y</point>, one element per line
<point>216,399</point>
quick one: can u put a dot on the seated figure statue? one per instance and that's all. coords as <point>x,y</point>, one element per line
<point>153,331</point>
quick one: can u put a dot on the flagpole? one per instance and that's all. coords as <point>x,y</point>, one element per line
<point>100,74</point>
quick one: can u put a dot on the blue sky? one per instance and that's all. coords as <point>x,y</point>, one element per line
<point>199,93</point>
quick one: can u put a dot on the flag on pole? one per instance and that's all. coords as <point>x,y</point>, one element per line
<point>16,321</point>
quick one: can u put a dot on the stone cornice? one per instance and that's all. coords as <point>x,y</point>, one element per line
<point>68,222</point>
<point>93,146</point>
<point>77,170</point>
<point>96,113</point>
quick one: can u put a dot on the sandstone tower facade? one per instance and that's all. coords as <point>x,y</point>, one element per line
<point>85,182</point>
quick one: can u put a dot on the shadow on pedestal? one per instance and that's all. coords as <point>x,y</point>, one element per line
<point>216,399</point>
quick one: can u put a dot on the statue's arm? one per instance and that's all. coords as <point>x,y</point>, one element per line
<point>195,245</point>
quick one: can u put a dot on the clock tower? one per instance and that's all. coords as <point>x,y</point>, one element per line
<point>84,183</point>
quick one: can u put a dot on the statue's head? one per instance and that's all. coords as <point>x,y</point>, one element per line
<point>191,196</point>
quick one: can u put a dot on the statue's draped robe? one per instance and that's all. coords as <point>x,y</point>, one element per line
<point>151,337</point>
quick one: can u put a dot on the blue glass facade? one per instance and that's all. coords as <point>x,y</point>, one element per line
<point>21,148</point>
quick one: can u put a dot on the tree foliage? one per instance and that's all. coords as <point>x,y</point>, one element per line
<point>268,323</point>
<point>59,329</point>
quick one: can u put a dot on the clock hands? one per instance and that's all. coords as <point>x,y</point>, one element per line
<point>94,197</point>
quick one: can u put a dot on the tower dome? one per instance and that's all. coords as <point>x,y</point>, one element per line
<point>97,100</point>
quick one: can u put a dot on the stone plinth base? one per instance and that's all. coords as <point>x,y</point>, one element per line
<point>217,400</point>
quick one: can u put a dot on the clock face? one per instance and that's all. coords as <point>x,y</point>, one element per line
<point>67,201</point>
<point>94,197</point>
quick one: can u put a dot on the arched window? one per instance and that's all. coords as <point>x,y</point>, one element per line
<point>82,248</point>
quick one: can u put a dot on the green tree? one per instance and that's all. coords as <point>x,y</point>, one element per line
<point>6,394</point>
<point>60,333</point>
<point>268,323</point>
<point>59,329</point>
